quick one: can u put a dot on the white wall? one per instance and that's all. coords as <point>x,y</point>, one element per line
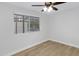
<point>11,42</point>
<point>64,26</point>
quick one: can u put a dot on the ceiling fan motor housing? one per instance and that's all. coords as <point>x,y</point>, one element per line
<point>48,4</point>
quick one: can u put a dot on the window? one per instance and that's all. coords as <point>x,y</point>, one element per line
<point>25,23</point>
<point>34,24</point>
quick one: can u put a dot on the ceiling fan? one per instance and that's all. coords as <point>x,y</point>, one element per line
<point>49,6</point>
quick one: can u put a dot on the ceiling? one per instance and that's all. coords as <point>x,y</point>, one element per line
<point>61,7</point>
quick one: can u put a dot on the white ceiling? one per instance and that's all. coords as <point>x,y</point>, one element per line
<point>61,7</point>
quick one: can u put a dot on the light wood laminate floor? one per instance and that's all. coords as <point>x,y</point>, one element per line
<point>50,48</point>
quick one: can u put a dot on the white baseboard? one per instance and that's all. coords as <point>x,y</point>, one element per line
<point>10,54</point>
<point>73,45</point>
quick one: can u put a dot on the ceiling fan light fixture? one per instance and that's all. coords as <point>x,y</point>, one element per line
<point>50,9</point>
<point>45,8</point>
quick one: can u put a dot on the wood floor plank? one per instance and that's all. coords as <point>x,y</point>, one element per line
<point>50,48</point>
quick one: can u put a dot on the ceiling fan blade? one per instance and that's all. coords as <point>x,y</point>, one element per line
<point>38,5</point>
<point>57,3</point>
<point>54,8</point>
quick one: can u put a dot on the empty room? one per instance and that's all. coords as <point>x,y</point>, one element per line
<point>39,28</point>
